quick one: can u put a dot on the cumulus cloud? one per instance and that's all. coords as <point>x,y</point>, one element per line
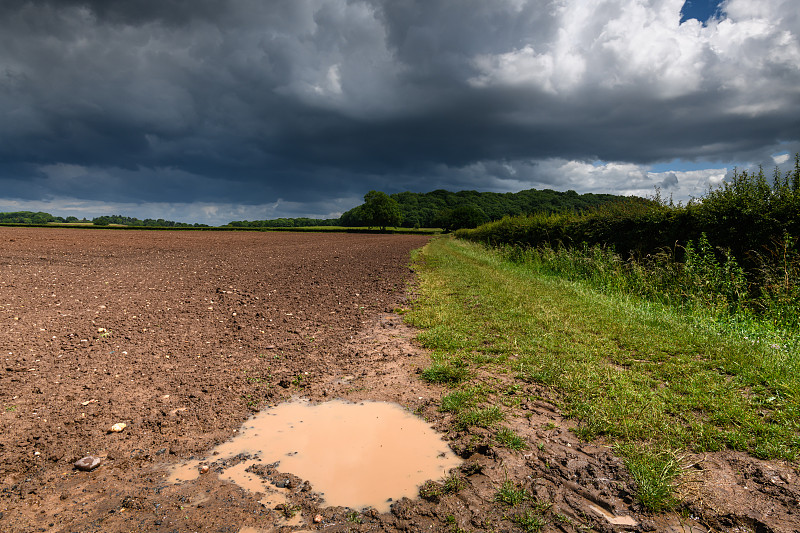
<point>243,102</point>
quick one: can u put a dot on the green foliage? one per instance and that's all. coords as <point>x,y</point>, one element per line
<point>302,222</point>
<point>506,437</point>
<point>718,283</point>
<point>461,400</point>
<point>463,216</point>
<point>468,209</point>
<point>27,217</point>
<point>451,372</point>
<point>453,484</point>
<point>148,222</point>
<point>484,418</point>
<point>742,215</point>
<point>529,521</point>
<point>381,210</point>
<point>511,494</point>
<point>655,474</point>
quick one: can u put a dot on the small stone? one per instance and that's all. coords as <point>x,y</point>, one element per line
<point>88,463</point>
<point>204,469</point>
<point>317,518</point>
<point>119,426</point>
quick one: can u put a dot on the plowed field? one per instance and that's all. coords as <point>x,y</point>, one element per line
<point>181,336</point>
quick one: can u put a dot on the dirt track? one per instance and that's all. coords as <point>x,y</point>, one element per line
<point>183,335</point>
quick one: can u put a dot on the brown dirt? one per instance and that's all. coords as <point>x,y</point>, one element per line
<point>182,335</point>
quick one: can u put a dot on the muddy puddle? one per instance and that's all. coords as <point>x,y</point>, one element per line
<point>360,455</point>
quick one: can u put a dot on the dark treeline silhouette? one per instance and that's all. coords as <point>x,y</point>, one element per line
<point>148,222</point>
<point>29,217</point>
<point>468,209</point>
<point>284,223</point>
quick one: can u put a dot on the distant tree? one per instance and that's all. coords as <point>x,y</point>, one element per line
<point>381,210</point>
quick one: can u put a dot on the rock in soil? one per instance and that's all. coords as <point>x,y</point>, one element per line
<point>88,463</point>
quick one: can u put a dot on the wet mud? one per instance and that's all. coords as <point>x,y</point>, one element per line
<point>358,455</point>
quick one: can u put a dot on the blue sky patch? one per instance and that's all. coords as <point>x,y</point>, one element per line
<point>701,10</point>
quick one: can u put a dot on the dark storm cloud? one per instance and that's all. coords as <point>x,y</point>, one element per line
<point>250,102</point>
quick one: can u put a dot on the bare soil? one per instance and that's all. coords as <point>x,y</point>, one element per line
<point>183,335</point>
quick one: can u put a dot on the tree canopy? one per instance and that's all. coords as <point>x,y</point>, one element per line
<point>468,209</point>
<point>381,210</point>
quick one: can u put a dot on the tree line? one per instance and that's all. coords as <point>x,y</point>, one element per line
<point>40,217</point>
<point>302,222</point>
<point>437,209</point>
<point>465,209</point>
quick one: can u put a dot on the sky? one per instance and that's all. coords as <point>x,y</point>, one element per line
<point>218,110</point>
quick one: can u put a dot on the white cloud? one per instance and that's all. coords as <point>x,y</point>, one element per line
<point>780,158</point>
<point>641,44</point>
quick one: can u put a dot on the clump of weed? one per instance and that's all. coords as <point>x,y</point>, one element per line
<point>431,491</point>
<point>454,483</point>
<point>512,494</point>
<point>287,510</point>
<point>485,417</point>
<point>529,521</point>
<point>461,400</point>
<point>448,372</point>
<point>655,474</point>
<point>506,437</point>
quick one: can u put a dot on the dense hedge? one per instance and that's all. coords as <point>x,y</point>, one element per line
<point>747,215</point>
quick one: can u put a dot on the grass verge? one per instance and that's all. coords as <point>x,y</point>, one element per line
<point>634,372</point>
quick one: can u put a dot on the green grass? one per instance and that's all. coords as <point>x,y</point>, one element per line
<point>462,400</point>
<point>485,417</point>
<point>451,371</point>
<point>655,475</point>
<point>509,439</point>
<point>529,521</point>
<point>511,494</point>
<point>453,484</point>
<point>638,373</point>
